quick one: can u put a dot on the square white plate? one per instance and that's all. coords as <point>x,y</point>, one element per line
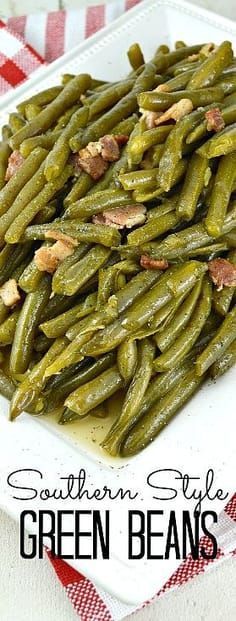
<point>202,435</point>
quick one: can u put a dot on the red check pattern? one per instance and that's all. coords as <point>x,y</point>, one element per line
<point>21,53</point>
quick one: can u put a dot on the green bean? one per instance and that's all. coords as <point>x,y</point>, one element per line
<point>65,118</point>
<point>154,228</point>
<point>127,357</point>
<point>10,259</point>
<point>221,144</point>
<point>28,168</point>
<point>96,203</point>
<point>16,121</point>
<point>143,196</point>
<point>5,152</point>
<point>225,362</point>
<point>65,383</point>
<point>152,157</point>
<point>27,323</point>
<point>31,111</point>
<point>178,244</point>
<point>42,98</point>
<point>45,141</point>
<point>135,288</point>
<point>6,133</point>
<point>8,328</point>
<point>95,392</point>
<point>42,343</point>
<point>167,205</point>
<point>225,335</point>
<point>107,280</point>
<point>79,273</point>
<point>109,97</point>
<point>174,146</point>
<point>220,196</point>
<point>7,386</point>
<point>96,321</point>
<point>28,193</point>
<point>45,119</point>
<point>31,276</point>
<point>58,156</point>
<point>80,187</point>
<point>212,67</point>
<point>179,82</point>
<point>168,334</point>
<point>133,399</point>
<point>222,298</point>
<point>47,213</point>
<point>30,388</point>
<point>140,143</point>
<point>20,223</point>
<point>159,101</point>
<point>4,310</point>
<point>85,232</point>
<point>164,61</point>
<point>145,431</point>
<point>135,56</point>
<point>192,187</point>
<point>59,325</point>
<point>185,276</point>
<point>121,110</point>
<point>188,337</point>
<point>228,115</point>
<point>139,179</point>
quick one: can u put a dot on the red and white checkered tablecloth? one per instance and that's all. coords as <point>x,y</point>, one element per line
<point>26,43</point>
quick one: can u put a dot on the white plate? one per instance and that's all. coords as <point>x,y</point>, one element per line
<point>202,435</point>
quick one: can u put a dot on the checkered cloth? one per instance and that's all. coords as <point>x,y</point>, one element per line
<point>26,43</point>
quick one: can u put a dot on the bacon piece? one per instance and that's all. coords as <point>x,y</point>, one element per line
<point>48,259</point>
<point>150,118</point>
<point>121,139</point>
<point>58,236</point>
<point>153,264</point>
<point>207,49</point>
<point>9,292</point>
<point>15,161</point>
<point>95,166</point>
<point>215,121</point>
<point>122,217</point>
<point>110,149</point>
<point>223,273</point>
<point>176,112</point>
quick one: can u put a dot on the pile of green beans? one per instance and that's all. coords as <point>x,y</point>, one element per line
<point>131,314</point>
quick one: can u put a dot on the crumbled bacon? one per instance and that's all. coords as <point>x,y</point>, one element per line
<point>9,292</point>
<point>121,139</point>
<point>162,88</point>
<point>110,149</point>
<point>48,259</point>
<point>223,273</point>
<point>153,264</point>
<point>93,165</point>
<point>215,121</point>
<point>150,118</point>
<point>14,163</point>
<point>207,49</point>
<point>122,217</point>
<point>58,236</point>
<point>176,112</point>
<point>193,58</point>
<point>94,158</point>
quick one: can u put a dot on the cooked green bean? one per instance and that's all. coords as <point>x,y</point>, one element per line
<point>80,188</point>
<point>110,97</point>
<point>220,342</point>
<point>84,232</point>
<point>127,357</point>
<point>41,99</point>
<point>79,273</point>
<point>45,119</point>
<point>22,345</point>
<point>225,362</point>
<point>135,56</point>
<point>222,143</point>
<point>133,398</point>
<point>8,328</point>
<point>28,168</point>
<point>168,334</point>
<point>140,143</point>
<point>192,187</point>
<point>220,196</point>
<point>17,228</point>
<point>96,203</point>
<point>95,392</point>
<point>185,276</point>
<point>212,67</point>
<point>59,325</point>
<point>7,386</point>
<point>5,152</point>
<point>45,141</point>
<point>156,100</point>
<point>58,156</point>
<point>145,431</point>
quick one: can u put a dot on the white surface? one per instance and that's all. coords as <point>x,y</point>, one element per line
<point>222,612</point>
<point>29,591</point>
